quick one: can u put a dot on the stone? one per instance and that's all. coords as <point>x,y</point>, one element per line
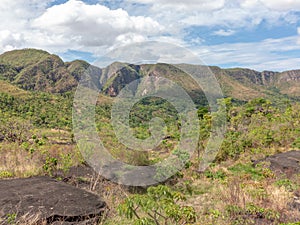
<point>286,163</point>
<point>52,200</point>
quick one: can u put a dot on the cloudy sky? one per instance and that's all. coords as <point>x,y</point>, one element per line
<point>258,34</point>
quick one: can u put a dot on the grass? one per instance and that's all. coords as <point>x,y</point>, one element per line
<point>230,191</point>
<point>30,159</point>
<point>11,89</point>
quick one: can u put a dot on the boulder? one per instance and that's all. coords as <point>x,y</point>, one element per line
<point>51,200</point>
<point>286,163</point>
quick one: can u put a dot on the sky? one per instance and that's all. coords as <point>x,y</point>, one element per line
<point>256,34</point>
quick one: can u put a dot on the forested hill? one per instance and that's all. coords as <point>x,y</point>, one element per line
<point>38,70</point>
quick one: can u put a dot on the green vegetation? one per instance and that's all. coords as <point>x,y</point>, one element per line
<point>36,138</point>
<point>159,206</point>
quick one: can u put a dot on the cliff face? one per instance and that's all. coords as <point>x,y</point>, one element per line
<point>38,70</point>
<point>290,76</point>
<point>120,78</point>
<point>239,83</point>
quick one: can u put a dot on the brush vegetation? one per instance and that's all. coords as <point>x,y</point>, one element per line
<point>263,114</point>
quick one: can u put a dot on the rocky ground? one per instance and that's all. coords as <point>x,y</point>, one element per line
<point>51,200</point>
<point>68,198</point>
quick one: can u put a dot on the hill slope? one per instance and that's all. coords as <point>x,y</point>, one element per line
<point>37,70</point>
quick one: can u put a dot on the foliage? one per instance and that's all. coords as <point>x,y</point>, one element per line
<point>16,130</point>
<point>287,184</point>
<point>50,165</point>
<point>6,174</point>
<point>255,129</point>
<point>42,109</point>
<point>258,124</point>
<point>11,218</point>
<point>218,175</point>
<point>251,212</point>
<point>246,170</point>
<point>160,205</point>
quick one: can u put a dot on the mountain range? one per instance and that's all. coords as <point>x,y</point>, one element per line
<point>38,70</point>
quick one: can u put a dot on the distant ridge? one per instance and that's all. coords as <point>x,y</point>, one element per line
<point>38,70</point>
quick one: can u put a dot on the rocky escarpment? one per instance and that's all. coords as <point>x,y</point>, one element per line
<point>38,70</point>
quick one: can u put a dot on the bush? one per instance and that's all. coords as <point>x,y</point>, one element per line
<point>158,206</point>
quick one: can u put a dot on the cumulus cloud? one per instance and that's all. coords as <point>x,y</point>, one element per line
<point>17,14</point>
<point>94,25</point>
<point>10,40</point>
<point>282,5</point>
<point>72,25</point>
<point>15,21</point>
<point>95,28</point>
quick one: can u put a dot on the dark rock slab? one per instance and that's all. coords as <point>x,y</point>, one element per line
<point>53,200</point>
<point>287,163</point>
<point>295,204</point>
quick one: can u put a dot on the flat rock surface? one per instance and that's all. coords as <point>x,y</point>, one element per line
<point>284,163</point>
<point>53,200</point>
<point>288,165</point>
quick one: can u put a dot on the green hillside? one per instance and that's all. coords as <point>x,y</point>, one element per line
<point>38,70</point>
<point>239,187</point>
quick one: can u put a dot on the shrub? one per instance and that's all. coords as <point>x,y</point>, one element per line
<point>158,206</point>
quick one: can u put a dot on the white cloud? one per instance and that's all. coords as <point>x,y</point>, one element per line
<point>202,5</point>
<point>16,14</point>
<point>239,16</point>
<point>72,25</point>
<point>278,65</point>
<point>95,28</point>
<point>94,25</point>
<point>224,32</point>
<point>10,40</point>
<point>257,55</point>
<point>15,21</point>
<point>298,30</point>
<point>282,5</point>
<point>176,15</point>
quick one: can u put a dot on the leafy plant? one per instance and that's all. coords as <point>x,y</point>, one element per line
<point>66,161</point>
<point>256,173</point>
<point>160,205</point>
<point>50,165</point>
<point>6,174</point>
<point>11,218</point>
<point>251,211</point>
<point>288,184</point>
<point>218,175</point>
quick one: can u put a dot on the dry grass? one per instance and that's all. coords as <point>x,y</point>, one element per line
<point>11,89</point>
<point>210,197</point>
<point>20,161</point>
<point>17,162</point>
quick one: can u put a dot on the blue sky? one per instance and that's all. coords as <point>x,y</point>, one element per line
<point>257,34</point>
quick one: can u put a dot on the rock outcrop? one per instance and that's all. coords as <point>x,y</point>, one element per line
<point>49,200</point>
<point>286,163</point>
